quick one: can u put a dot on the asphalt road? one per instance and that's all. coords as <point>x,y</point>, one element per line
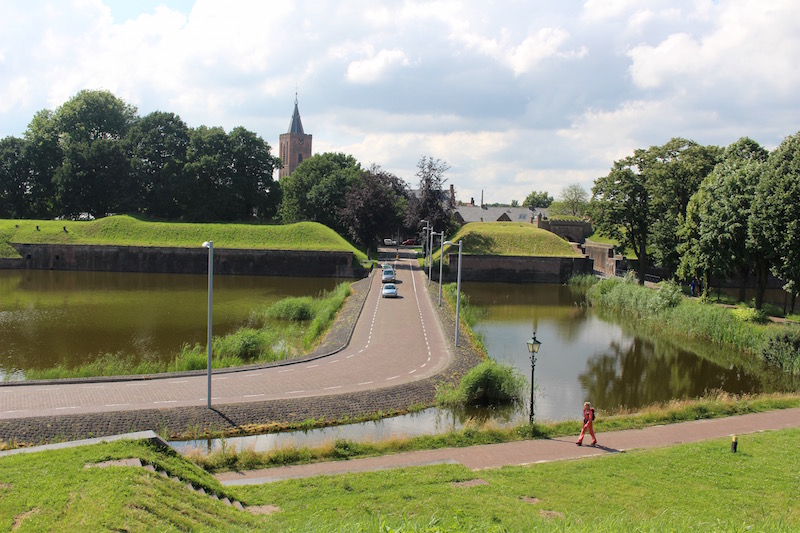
<point>395,341</point>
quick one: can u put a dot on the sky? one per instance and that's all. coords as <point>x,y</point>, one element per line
<point>514,96</point>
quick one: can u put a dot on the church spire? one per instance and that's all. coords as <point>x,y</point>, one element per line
<point>297,125</point>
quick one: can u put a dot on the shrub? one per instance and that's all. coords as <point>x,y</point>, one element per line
<point>489,383</point>
<point>247,344</point>
<point>292,308</point>
<point>669,295</point>
<point>783,351</point>
<point>748,314</point>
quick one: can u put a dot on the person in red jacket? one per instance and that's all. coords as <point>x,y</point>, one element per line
<point>588,419</point>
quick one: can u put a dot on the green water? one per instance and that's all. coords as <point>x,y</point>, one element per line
<point>51,317</point>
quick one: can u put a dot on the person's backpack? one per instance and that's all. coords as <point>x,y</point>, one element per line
<point>592,414</point>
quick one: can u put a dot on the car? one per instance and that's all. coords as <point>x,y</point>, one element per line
<point>389,291</point>
<point>387,276</point>
<point>387,266</point>
<point>389,242</point>
<point>410,242</point>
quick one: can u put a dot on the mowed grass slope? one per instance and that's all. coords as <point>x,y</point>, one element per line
<point>508,238</point>
<point>697,487</point>
<point>122,230</point>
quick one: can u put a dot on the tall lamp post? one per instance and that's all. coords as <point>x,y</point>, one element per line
<point>210,246</point>
<point>533,349</point>
<point>441,258</point>
<point>458,285</point>
<point>430,254</point>
<point>426,230</point>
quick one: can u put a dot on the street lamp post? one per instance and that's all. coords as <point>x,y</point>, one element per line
<point>430,255</point>
<point>210,246</point>
<point>533,349</point>
<point>441,258</point>
<point>458,286</point>
<point>426,230</point>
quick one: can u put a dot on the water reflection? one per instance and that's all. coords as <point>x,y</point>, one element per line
<point>51,317</point>
<point>586,358</point>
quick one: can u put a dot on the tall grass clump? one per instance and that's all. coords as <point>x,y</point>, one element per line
<point>582,281</point>
<point>665,311</point>
<point>783,351</point>
<point>489,383</point>
<point>297,308</point>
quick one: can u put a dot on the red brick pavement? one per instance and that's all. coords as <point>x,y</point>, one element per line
<point>536,451</point>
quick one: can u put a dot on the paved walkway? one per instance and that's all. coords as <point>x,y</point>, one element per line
<point>536,451</point>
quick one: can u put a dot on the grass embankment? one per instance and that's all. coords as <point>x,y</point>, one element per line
<point>507,238</point>
<point>123,230</point>
<point>261,342</point>
<point>699,486</point>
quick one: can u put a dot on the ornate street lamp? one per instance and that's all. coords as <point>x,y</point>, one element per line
<point>533,349</point>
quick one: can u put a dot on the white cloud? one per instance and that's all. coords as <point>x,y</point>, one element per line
<point>375,67</point>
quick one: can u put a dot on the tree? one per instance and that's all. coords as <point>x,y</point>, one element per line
<point>94,172</point>
<point>44,156</point>
<point>714,235</point>
<point>14,178</point>
<point>374,206</point>
<point>775,219</point>
<point>645,208</point>
<point>157,145</point>
<point>620,208</point>
<point>209,174</point>
<point>256,193</point>
<point>538,199</point>
<point>427,204</point>
<point>575,199</point>
<point>317,187</point>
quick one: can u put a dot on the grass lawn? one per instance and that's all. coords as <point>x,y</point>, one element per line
<point>123,230</point>
<point>699,487</point>
<point>507,238</point>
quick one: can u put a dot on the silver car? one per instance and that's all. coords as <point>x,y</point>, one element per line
<point>389,291</point>
<point>387,276</point>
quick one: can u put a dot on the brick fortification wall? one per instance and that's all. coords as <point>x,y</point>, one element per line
<point>185,260</point>
<point>518,269</point>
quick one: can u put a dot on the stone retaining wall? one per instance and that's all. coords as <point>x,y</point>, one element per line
<point>517,269</point>
<point>185,260</point>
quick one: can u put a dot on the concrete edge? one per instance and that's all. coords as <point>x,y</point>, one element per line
<point>152,436</point>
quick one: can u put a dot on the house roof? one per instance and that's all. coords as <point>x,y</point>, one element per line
<point>475,213</point>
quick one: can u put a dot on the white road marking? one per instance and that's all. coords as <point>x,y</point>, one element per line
<point>332,388</point>
<point>366,383</point>
<point>295,391</point>
<point>166,401</point>
<point>252,395</point>
<point>119,404</point>
<point>391,378</point>
<point>312,366</point>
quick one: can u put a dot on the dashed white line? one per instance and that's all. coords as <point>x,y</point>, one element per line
<point>181,381</point>
<point>94,387</point>
<point>334,361</point>
<point>332,388</point>
<point>166,401</point>
<point>287,370</point>
<point>254,375</point>
<point>366,383</point>
<point>295,391</point>
<point>312,366</point>
<point>68,407</point>
<point>252,395</point>
<point>119,404</point>
<point>391,378</point>
<point>412,371</point>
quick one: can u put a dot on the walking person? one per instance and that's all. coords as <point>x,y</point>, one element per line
<point>588,420</point>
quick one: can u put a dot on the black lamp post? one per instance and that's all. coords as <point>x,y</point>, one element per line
<point>533,349</point>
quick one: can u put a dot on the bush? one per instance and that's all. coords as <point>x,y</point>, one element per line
<point>489,383</point>
<point>292,308</point>
<point>783,352</point>
<point>748,314</point>
<point>247,344</point>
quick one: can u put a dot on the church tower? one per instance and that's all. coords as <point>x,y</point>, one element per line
<point>295,145</point>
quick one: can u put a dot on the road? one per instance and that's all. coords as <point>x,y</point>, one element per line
<point>395,341</point>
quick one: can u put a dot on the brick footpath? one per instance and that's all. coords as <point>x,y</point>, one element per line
<point>241,418</point>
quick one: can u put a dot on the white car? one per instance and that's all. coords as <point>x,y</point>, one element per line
<point>387,276</point>
<point>389,291</point>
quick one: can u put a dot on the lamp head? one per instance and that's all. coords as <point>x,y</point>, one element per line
<point>534,344</point>
<point>208,244</point>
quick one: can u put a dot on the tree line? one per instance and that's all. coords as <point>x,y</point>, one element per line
<point>704,211</point>
<point>95,156</point>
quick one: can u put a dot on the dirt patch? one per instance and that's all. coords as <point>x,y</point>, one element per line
<point>550,514</point>
<point>262,509</point>
<point>470,483</point>
<point>530,499</point>
<point>6,486</point>
<point>21,518</point>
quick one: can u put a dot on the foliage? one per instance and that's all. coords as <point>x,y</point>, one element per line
<point>488,383</point>
<point>427,203</point>
<point>783,351</point>
<point>582,280</point>
<point>748,314</point>
<point>374,206</point>
<point>95,156</point>
<point>573,200</point>
<point>642,201</point>
<point>538,199</point>
<point>295,308</point>
<point>316,189</point>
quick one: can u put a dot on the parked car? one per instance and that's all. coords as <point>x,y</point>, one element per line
<point>410,242</point>
<point>389,291</point>
<point>387,276</point>
<point>389,242</point>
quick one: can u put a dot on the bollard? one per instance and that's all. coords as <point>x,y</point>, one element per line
<point>734,443</point>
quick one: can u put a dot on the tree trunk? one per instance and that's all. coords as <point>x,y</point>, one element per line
<point>642,261</point>
<point>743,273</point>
<point>762,273</point>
